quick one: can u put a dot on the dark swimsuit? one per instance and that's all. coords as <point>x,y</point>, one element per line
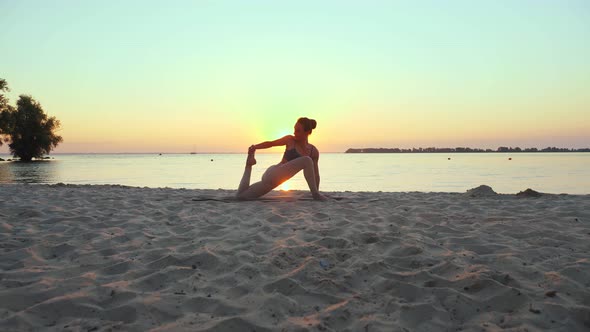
<point>293,154</point>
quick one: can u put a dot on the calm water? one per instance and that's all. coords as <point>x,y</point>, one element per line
<point>545,172</point>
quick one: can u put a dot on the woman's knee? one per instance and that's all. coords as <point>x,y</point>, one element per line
<point>307,160</point>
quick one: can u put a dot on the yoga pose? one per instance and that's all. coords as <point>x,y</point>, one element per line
<point>299,155</point>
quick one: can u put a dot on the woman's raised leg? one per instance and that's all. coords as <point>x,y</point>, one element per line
<point>255,190</point>
<point>245,182</point>
<point>276,176</point>
<point>289,169</point>
<point>247,191</point>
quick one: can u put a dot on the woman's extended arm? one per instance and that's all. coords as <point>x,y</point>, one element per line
<point>270,144</point>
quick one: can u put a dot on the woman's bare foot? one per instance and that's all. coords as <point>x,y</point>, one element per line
<point>320,197</point>
<point>251,161</point>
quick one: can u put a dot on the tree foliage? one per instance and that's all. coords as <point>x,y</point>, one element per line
<point>4,111</point>
<point>28,130</point>
<point>3,88</point>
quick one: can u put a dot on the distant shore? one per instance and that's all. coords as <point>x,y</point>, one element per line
<point>463,150</point>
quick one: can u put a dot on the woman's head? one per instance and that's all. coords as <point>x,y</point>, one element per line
<point>304,127</point>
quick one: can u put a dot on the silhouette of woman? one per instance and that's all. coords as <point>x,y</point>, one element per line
<point>299,155</point>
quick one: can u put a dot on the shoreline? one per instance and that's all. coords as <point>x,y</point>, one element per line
<point>295,193</point>
<point>85,257</point>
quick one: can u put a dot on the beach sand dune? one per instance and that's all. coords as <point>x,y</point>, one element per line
<point>101,258</point>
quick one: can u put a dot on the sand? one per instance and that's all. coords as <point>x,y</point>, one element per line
<point>113,258</point>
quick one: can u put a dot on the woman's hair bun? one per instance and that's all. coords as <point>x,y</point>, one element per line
<point>308,124</point>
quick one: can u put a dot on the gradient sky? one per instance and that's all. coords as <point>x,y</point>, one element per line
<point>217,75</point>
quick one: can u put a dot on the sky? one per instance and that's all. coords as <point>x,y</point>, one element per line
<point>219,75</point>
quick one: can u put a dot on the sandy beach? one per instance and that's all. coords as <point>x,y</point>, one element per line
<point>113,258</point>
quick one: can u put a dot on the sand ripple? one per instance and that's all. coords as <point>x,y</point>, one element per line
<point>100,258</point>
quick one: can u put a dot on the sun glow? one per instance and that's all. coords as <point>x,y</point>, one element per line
<point>285,186</point>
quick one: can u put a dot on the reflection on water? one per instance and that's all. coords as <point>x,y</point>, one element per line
<point>33,172</point>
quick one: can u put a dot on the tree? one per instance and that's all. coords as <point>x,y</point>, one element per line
<point>27,129</point>
<point>3,88</point>
<point>31,131</point>
<point>4,111</point>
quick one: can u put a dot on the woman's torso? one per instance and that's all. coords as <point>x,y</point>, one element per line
<point>292,151</point>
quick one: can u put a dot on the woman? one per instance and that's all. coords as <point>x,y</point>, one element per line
<point>299,155</point>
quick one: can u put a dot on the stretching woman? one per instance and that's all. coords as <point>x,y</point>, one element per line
<point>299,155</point>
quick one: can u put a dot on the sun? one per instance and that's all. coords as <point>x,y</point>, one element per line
<point>285,186</point>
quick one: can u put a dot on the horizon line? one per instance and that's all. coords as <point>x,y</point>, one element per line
<point>329,152</point>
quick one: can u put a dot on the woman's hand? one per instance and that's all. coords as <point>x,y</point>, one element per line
<point>251,149</point>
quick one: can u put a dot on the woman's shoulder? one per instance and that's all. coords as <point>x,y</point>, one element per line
<point>314,152</point>
<point>285,140</point>
<point>288,138</point>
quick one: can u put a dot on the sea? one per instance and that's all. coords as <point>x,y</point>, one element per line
<point>507,173</point>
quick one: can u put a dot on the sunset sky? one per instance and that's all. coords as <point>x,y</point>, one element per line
<point>219,75</point>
